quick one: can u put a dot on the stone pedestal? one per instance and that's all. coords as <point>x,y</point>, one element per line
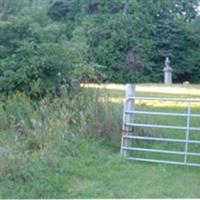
<point>167,72</point>
<point>167,75</point>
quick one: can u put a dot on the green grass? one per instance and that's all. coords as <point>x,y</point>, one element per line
<point>74,153</point>
<point>91,170</point>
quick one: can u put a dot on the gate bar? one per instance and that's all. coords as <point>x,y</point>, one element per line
<point>160,151</point>
<point>162,113</point>
<point>162,126</point>
<point>161,139</point>
<point>164,99</point>
<point>164,162</point>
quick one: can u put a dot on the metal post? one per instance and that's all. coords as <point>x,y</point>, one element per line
<point>127,118</point>
<point>187,132</point>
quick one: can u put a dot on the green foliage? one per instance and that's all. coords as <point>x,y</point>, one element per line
<point>58,10</point>
<point>192,61</point>
<point>38,56</point>
<point>46,44</point>
<point>15,112</point>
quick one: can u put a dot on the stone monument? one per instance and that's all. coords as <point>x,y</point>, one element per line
<point>167,72</point>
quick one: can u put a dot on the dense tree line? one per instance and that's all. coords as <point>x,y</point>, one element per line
<point>46,43</point>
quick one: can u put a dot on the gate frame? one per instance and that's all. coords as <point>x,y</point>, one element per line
<point>128,129</point>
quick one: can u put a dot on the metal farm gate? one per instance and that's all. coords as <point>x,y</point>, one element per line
<point>131,137</point>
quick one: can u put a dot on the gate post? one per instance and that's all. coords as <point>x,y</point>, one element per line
<point>127,117</point>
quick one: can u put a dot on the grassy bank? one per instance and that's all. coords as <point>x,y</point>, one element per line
<point>93,171</point>
<point>69,148</point>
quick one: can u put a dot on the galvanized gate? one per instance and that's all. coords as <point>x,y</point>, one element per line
<point>129,136</point>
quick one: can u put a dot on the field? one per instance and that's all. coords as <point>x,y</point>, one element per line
<point>64,149</point>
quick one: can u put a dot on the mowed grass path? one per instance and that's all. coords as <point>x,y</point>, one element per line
<point>87,168</point>
<point>137,180</point>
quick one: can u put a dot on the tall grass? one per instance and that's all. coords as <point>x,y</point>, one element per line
<point>42,141</point>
